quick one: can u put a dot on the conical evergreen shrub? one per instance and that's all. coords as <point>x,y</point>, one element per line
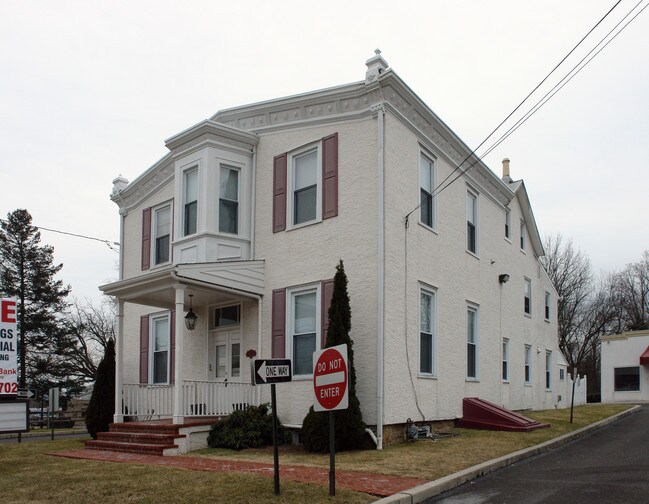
<point>349,425</point>
<point>101,407</point>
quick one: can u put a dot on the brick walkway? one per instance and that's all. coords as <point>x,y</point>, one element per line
<point>375,484</point>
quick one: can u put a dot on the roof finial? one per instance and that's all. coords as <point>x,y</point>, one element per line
<point>376,65</point>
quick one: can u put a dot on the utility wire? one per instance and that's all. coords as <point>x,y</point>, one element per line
<point>437,189</point>
<point>567,78</point>
<point>110,244</point>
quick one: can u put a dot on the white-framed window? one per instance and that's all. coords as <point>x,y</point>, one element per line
<point>523,238</point>
<point>427,180</point>
<point>547,305</point>
<point>226,316</point>
<point>228,200</point>
<point>159,348</point>
<point>527,296</point>
<point>190,201</point>
<point>471,222</point>
<point>427,326</point>
<point>528,364</point>
<point>305,182</point>
<point>161,234</point>
<point>562,374</point>
<point>508,224</point>
<point>303,328</point>
<point>472,342</point>
<point>548,370</point>
<point>505,359</point>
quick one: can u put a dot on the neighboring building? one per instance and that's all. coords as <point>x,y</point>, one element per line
<point>625,367</point>
<point>245,219</point>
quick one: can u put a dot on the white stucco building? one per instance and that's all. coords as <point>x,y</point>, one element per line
<point>625,367</point>
<point>245,219</point>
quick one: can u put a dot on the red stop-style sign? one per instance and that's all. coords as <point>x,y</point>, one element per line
<point>330,379</point>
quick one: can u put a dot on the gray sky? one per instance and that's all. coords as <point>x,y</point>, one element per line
<point>90,90</point>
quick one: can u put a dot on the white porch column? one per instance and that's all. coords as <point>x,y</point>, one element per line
<point>179,332</point>
<point>118,416</point>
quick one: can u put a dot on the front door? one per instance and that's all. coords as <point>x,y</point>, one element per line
<point>225,356</point>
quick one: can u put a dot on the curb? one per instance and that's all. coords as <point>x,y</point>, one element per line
<point>431,489</point>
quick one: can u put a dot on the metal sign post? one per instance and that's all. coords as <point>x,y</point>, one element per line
<point>273,371</point>
<point>331,391</point>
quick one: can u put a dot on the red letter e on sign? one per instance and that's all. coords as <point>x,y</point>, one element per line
<point>8,311</point>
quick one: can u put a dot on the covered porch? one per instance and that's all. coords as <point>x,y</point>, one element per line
<point>180,371</point>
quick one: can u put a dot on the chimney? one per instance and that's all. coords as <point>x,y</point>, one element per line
<point>506,177</point>
<point>376,65</point>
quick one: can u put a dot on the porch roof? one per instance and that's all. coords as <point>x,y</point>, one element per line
<point>225,279</point>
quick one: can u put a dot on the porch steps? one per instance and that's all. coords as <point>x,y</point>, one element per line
<point>135,437</point>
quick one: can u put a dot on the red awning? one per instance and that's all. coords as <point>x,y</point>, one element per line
<point>644,358</point>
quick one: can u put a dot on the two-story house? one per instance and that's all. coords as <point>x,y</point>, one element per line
<point>240,226</point>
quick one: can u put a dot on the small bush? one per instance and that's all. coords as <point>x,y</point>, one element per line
<point>249,428</point>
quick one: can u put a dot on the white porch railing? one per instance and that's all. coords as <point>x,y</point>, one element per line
<point>205,398</point>
<point>147,401</point>
<point>199,398</point>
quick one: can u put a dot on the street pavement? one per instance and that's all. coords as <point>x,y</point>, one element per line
<point>609,466</point>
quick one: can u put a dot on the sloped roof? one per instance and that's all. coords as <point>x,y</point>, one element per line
<point>519,189</point>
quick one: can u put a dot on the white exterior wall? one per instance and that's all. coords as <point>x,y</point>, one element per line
<point>311,253</point>
<point>624,350</point>
<point>440,260</point>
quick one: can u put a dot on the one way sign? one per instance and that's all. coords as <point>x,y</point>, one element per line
<point>272,371</point>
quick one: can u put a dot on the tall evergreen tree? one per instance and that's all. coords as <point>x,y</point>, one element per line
<point>350,428</point>
<point>101,407</point>
<point>27,274</point>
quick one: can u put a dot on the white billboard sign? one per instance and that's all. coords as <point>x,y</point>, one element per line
<point>14,416</point>
<point>8,348</point>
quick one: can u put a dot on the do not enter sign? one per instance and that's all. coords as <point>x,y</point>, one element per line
<point>330,379</point>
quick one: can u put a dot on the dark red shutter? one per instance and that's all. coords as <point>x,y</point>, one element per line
<point>330,176</point>
<point>172,347</point>
<point>278,342</point>
<point>325,297</point>
<point>146,238</point>
<point>279,193</point>
<point>144,349</point>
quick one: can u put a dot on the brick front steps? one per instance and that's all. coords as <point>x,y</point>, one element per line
<point>150,438</point>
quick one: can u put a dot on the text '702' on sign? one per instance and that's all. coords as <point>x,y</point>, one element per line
<point>330,379</point>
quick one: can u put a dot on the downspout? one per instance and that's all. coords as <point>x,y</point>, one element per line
<point>380,168</point>
<point>253,207</point>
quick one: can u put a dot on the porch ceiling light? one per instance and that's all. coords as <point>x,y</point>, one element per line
<point>190,318</point>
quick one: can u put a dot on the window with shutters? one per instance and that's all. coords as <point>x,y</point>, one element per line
<point>304,322</point>
<point>159,348</point>
<point>162,234</point>
<point>305,184</point>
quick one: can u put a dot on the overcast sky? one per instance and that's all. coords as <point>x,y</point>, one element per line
<point>90,90</point>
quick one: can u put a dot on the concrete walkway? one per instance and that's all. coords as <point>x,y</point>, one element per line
<point>380,485</point>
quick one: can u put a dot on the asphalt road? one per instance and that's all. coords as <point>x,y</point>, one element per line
<point>609,466</point>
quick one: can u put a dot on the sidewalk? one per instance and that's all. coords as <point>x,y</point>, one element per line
<point>380,485</point>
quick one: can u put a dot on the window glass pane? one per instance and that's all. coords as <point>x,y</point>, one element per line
<point>470,208</point>
<point>303,348</point>
<point>426,353</point>
<point>191,185</point>
<point>162,249</point>
<point>161,334</point>
<point>229,184</point>
<point>236,359</point>
<point>508,222</point>
<point>305,313</point>
<point>191,218</point>
<point>426,208</point>
<point>306,170</point>
<point>470,364</point>
<point>470,329</point>
<point>160,367</point>
<point>220,361</point>
<point>305,205</point>
<point>426,174</point>
<point>627,379</point>
<point>228,315</point>
<point>425,312</point>
<point>163,221</point>
<point>228,216</point>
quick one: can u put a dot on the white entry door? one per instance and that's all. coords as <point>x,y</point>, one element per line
<point>225,356</point>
